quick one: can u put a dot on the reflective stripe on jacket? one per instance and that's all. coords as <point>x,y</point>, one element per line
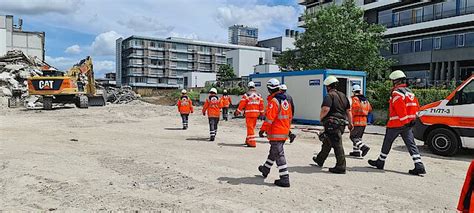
<point>226,101</point>
<point>360,109</point>
<point>212,106</point>
<point>277,118</point>
<point>403,106</point>
<point>252,103</point>
<point>185,105</point>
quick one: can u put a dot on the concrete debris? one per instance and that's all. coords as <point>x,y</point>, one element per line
<point>122,95</point>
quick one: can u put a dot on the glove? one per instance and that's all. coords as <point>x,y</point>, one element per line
<point>236,113</point>
<point>261,117</point>
<point>192,111</point>
<point>261,133</point>
<point>204,113</point>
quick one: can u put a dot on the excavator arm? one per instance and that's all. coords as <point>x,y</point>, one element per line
<point>83,72</point>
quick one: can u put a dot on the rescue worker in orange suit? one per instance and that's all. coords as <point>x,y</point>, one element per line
<point>212,107</point>
<point>335,115</point>
<point>360,109</point>
<point>466,201</point>
<point>277,126</point>
<point>284,88</point>
<point>403,106</point>
<point>226,103</point>
<point>252,104</point>
<point>185,107</point>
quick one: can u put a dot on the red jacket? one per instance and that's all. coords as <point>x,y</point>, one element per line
<point>185,105</point>
<point>277,118</point>
<point>403,106</point>
<point>252,102</point>
<point>212,106</point>
<point>360,108</point>
<point>226,101</point>
<point>466,201</point>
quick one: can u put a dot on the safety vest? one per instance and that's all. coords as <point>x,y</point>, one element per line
<point>226,101</point>
<point>212,106</point>
<point>403,106</point>
<point>466,201</point>
<point>252,102</point>
<point>360,110</point>
<point>185,105</point>
<point>277,118</point>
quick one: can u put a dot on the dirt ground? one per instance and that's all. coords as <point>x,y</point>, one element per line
<point>133,157</point>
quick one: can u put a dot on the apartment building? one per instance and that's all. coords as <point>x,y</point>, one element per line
<point>243,35</point>
<point>431,40</point>
<point>13,37</point>
<point>161,63</point>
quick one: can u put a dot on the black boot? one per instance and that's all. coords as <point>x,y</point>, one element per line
<point>355,154</point>
<point>284,181</point>
<point>318,162</point>
<point>292,137</point>
<point>377,163</point>
<point>336,170</point>
<point>264,170</point>
<point>365,150</point>
<point>212,138</point>
<point>418,170</point>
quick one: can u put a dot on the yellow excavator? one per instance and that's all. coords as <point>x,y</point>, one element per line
<point>77,86</point>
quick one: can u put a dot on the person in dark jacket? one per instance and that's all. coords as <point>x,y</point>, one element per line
<point>284,88</point>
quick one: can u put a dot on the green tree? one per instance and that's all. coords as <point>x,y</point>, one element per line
<point>226,72</point>
<point>288,61</point>
<point>338,37</point>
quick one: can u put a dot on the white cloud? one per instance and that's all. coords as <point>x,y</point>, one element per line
<point>146,24</point>
<point>61,63</point>
<point>102,67</point>
<point>40,7</point>
<point>193,36</point>
<point>74,49</point>
<point>261,16</point>
<point>104,44</point>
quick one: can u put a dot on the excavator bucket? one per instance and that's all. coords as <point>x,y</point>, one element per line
<point>96,100</point>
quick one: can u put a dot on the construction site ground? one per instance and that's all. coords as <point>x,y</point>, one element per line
<point>135,157</point>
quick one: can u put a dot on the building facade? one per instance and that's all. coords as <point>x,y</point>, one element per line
<point>431,40</point>
<point>243,35</point>
<point>161,63</point>
<point>13,37</point>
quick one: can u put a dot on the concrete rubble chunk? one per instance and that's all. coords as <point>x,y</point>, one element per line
<point>122,95</point>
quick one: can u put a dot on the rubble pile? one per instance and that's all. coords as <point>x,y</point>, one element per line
<point>122,95</point>
<point>15,68</point>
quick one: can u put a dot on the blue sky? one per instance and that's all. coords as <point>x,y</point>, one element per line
<point>77,28</point>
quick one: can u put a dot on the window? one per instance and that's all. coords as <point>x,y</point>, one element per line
<point>418,15</point>
<point>139,52</point>
<point>469,39</point>
<point>460,40</point>
<point>406,17</point>
<point>152,44</point>
<point>427,44</point>
<point>438,10</point>
<point>437,43</point>
<point>395,48</point>
<point>396,19</point>
<point>385,17</point>
<point>464,96</point>
<point>448,42</point>
<point>405,47</point>
<point>428,13</point>
<point>449,8</point>
<point>417,46</point>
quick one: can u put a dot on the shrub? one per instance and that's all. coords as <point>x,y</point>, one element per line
<point>426,96</point>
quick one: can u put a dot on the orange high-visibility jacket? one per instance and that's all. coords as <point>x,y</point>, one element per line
<point>185,105</point>
<point>277,118</point>
<point>226,101</point>
<point>212,106</point>
<point>252,102</point>
<point>403,106</point>
<point>466,201</point>
<point>360,108</point>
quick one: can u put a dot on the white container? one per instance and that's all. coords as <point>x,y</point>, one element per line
<point>307,89</point>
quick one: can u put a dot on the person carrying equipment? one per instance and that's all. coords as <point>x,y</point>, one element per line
<point>213,108</point>
<point>403,106</point>
<point>277,126</point>
<point>226,103</point>
<point>284,88</point>
<point>360,109</point>
<point>185,107</point>
<point>335,115</point>
<point>252,103</point>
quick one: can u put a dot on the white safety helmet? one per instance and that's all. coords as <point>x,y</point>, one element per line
<point>330,80</point>
<point>225,91</point>
<point>213,90</point>
<point>356,88</point>
<point>283,87</point>
<point>184,91</point>
<point>397,74</point>
<point>251,84</point>
<point>273,83</point>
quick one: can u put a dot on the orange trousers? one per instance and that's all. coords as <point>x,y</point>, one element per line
<point>251,124</point>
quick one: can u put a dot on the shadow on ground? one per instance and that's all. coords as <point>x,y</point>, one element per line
<point>198,139</point>
<point>255,180</point>
<point>173,128</point>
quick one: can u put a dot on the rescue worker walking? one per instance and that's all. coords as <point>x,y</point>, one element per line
<point>466,201</point>
<point>402,112</point>
<point>252,104</point>
<point>335,115</point>
<point>213,108</point>
<point>277,126</point>
<point>185,107</point>
<point>226,103</point>
<point>284,88</point>
<point>360,109</point>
